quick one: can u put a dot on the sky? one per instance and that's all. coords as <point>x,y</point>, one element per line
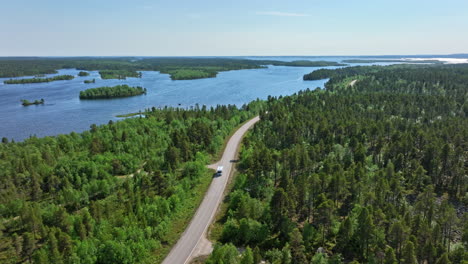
<point>232,28</point>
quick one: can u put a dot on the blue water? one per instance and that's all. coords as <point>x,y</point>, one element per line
<point>64,112</point>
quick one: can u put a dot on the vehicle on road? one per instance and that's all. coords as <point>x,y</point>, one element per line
<point>219,171</point>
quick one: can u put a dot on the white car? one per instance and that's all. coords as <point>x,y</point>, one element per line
<point>219,171</point>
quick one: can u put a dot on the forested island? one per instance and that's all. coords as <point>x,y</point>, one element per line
<point>394,60</point>
<point>372,173</point>
<point>83,73</point>
<point>191,74</point>
<point>39,80</point>
<point>112,92</point>
<point>119,74</point>
<point>25,102</point>
<point>123,67</point>
<point>90,81</point>
<point>302,63</point>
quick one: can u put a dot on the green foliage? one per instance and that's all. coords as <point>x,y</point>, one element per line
<point>112,92</point>
<point>114,252</point>
<point>40,80</point>
<point>109,195</point>
<point>119,74</point>
<point>224,254</point>
<point>83,73</point>
<point>25,102</point>
<point>303,63</point>
<point>391,61</point>
<point>120,68</point>
<point>190,74</point>
<point>368,173</point>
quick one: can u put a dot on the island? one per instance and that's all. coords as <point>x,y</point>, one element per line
<point>25,102</point>
<point>179,68</point>
<point>112,92</point>
<point>393,61</point>
<point>192,74</point>
<point>39,80</point>
<point>83,73</point>
<point>119,74</point>
<point>301,63</point>
<point>90,81</point>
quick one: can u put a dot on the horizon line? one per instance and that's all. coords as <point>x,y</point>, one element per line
<point>186,56</point>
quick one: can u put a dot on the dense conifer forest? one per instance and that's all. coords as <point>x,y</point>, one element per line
<point>119,74</point>
<point>119,68</point>
<point>119,193</point>
<point>371,170</point>
<point>39,80</point>
<point>112,92</point>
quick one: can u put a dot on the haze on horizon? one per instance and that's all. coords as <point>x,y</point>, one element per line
<point>228,28</point>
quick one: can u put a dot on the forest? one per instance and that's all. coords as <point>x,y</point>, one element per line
<point>39,80</point>
<point>83,73</point>
<point>392,61</point>
<point>90,81</point>
<point>119,74</point>
<point>301,63</point>
<point>374,172</point>
<point>118,193</point>
<point>112,92</point>
<point>119,68</point>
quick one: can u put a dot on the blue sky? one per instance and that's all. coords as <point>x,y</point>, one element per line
<point>230,28</point>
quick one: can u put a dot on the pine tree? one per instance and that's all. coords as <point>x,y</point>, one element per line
<point>257,257</point>
<point>409,256</point>
<point>297,247</point>
<point>41,257</point>
<point>364,232</point>
<point>443,259</point>
<point>390,257</point>
<point>54,254</point>
<point>29,244</point>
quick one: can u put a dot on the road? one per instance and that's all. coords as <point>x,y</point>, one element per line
<point>193,242</point>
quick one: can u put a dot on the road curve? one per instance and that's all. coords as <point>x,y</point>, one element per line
<point>193,241</point>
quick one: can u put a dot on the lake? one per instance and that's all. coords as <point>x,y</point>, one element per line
<point>63,112</point>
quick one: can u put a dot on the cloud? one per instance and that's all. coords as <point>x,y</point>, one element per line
<point>282,14</point>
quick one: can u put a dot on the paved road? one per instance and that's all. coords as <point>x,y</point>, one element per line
<point>193,241</point>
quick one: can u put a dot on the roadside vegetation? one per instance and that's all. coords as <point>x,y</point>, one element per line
<point>369,173</point>
<point>112,194</point>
